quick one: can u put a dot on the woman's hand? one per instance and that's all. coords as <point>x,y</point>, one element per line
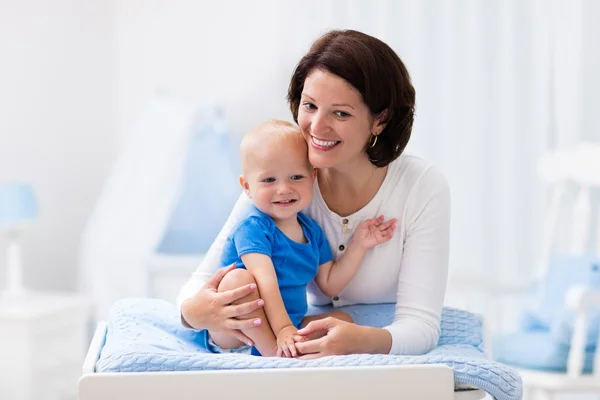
<point>372,232</point>
<point>340,338</point>
<point>212,310</point>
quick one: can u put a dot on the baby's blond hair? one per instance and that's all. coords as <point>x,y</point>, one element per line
<point>269,132</point>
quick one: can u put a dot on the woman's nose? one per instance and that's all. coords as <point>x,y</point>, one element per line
<point>318,124</point>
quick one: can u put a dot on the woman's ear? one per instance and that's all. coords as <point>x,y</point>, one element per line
<point>245,186</point>
<point>380,122</point>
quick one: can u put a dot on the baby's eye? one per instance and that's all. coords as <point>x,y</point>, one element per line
<point>309,106</point>
<point>297,177</point>
<point>342,114</point>
<point>269,180</point>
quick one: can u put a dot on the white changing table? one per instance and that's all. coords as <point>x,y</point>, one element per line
<point>423,382</point>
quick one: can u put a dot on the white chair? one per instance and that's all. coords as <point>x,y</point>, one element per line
<point>578,166</point>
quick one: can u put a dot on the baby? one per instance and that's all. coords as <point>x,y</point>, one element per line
<point>283,248</point>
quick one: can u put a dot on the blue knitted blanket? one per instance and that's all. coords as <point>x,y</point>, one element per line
<point>146,335</point>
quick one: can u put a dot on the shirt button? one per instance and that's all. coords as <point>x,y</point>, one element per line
<point>342,247</point>
<point>345,221</point>
<point>336,298</point>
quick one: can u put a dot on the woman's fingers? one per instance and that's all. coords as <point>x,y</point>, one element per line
<point>239,310</point>
<point>229,296</point>
<point>316,326</point>
<point>310,346</point>
<point>299,338</point>
<point>240,324</point>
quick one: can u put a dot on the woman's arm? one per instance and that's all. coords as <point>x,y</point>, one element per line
<point>210,262</point>
<point>424,267</point>
<point>421,285</point>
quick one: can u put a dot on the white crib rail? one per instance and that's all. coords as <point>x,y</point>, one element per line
<point>581,299</point>
<point>581,218</point>
<point>557,194</point>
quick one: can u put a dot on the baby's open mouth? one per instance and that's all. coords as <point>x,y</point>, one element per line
<point>286,202</point>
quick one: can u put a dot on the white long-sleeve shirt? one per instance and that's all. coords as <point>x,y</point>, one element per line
<point>410,270</point>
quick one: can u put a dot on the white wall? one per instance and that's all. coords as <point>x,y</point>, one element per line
<point>591,70</point>
<point>228,52</point>
<point>56,122</point>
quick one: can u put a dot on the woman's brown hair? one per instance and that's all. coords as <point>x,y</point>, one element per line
<point>378,74</point>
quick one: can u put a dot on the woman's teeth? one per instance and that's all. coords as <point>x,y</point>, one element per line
<point>324,143</point>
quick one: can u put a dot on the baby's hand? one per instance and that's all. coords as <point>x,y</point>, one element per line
<point>286,346</point>
<point>372,232</point>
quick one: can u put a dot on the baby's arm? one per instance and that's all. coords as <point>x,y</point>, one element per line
<point>262,269</point>
<point>333,277</point>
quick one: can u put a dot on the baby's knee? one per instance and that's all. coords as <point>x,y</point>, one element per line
<point>235,279</point>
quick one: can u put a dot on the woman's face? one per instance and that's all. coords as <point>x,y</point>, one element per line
<point>334,120</point>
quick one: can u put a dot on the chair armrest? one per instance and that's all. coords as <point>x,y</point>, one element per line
<point>580,299</point>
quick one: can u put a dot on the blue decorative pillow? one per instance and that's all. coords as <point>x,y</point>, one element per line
<point>549,312</point>
<point>562,329</point>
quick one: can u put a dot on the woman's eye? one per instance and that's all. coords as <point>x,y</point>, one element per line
<point>342,114</point>
<point>269,180</point>
<point>297,177</point>
<point>309,106</point>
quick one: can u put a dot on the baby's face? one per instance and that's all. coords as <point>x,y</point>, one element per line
<point>279,179</point>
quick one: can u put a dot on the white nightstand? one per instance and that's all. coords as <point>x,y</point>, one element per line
<point>42,346</point>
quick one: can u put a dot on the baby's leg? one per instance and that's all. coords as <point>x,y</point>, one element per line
<point>262,335</point>
<point>335,314</point>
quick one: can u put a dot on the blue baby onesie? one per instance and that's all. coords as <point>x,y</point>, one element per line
<point>296,264</point>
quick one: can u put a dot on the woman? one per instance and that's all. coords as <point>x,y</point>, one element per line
<point>353,100</point>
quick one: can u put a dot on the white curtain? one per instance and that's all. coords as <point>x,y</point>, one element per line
<point>498,83</point>
<point>136,204</point>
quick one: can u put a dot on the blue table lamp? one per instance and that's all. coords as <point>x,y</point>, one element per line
<point>18,208</point>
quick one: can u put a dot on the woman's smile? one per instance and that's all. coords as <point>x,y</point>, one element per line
<point>324,145</point>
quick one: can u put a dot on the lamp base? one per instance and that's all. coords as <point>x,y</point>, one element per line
<point>15,292</point>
